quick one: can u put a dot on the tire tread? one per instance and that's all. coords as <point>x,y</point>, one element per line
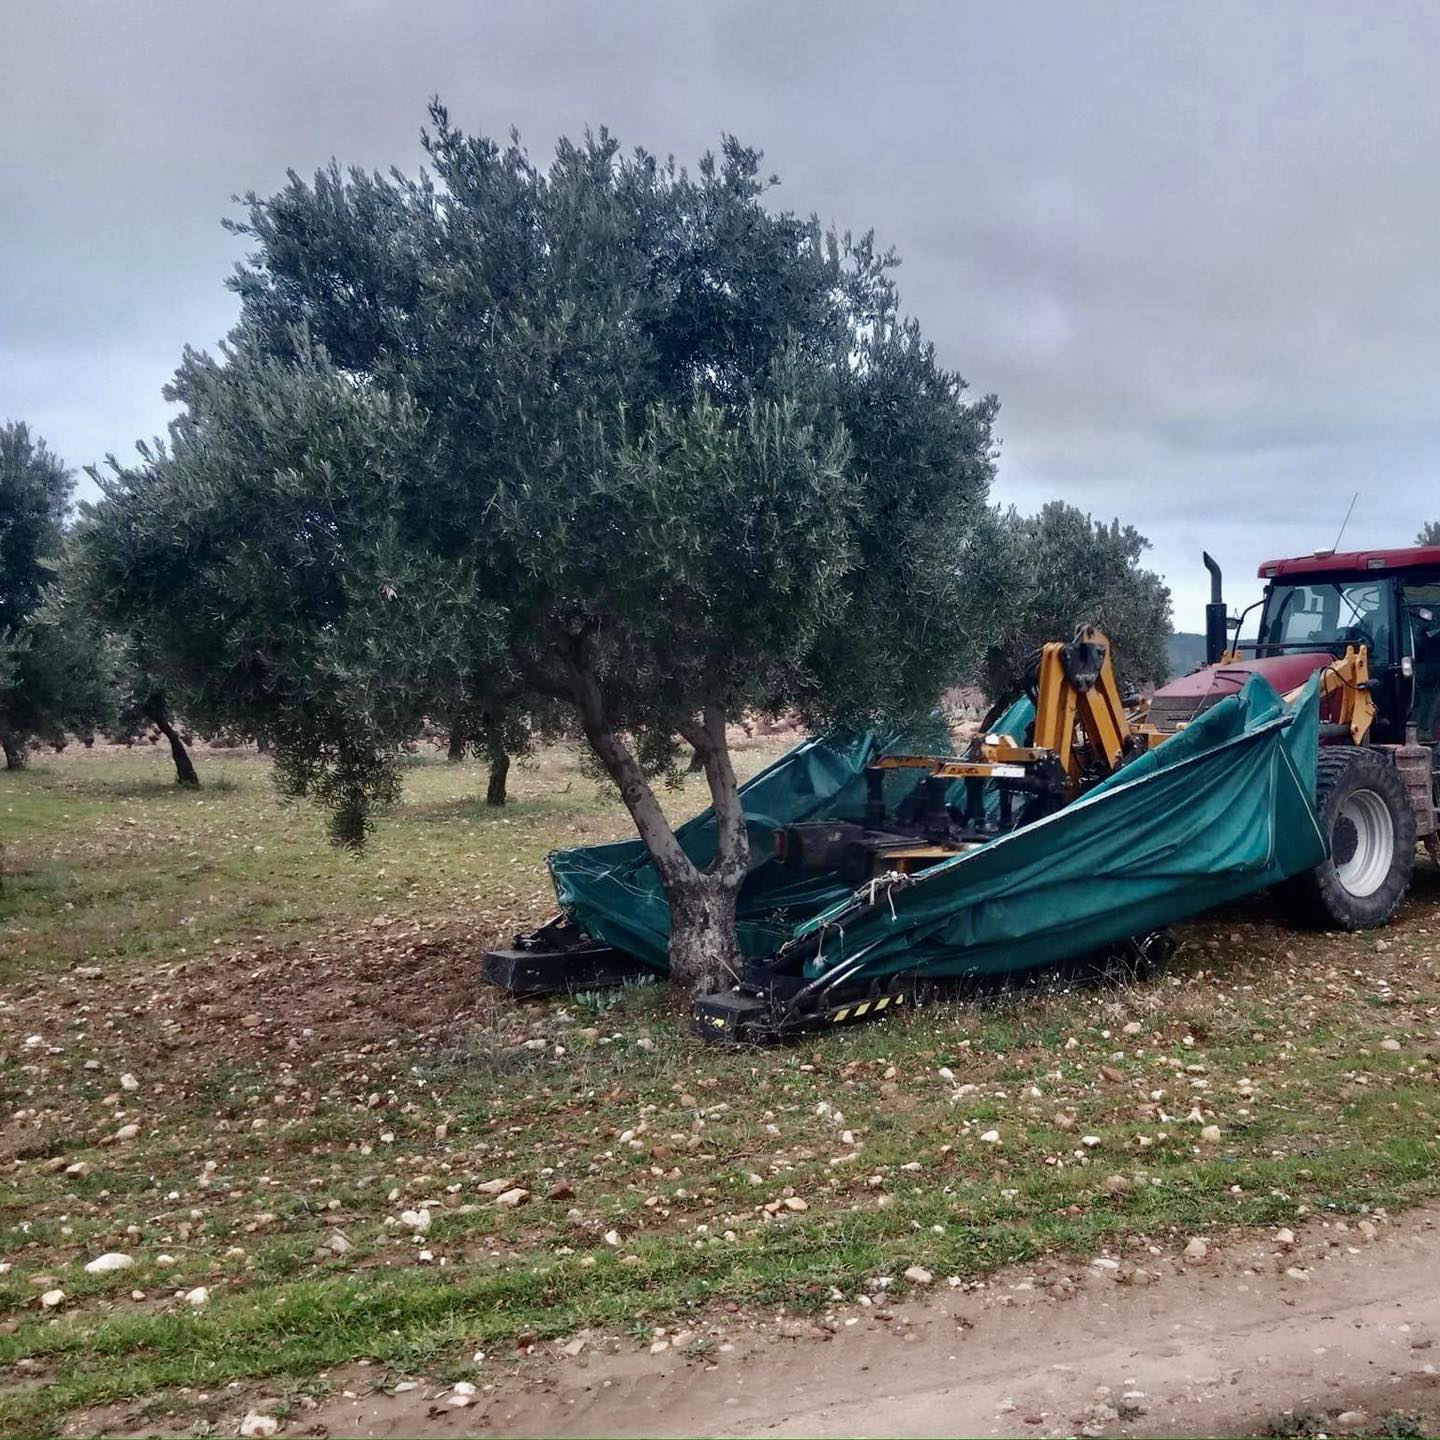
<point>1315,899</point>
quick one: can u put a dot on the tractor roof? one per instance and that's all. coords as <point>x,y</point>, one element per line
<point>1327,562</point>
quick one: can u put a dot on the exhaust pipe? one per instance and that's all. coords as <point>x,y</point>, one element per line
<point>1217,633</point>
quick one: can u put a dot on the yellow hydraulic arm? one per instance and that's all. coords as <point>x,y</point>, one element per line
<point>1077,686</point>
<point>1350,675</point>
<point>1080,720</point>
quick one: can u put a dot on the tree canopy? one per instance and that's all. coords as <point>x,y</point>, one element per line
<point>1061,569</point>
<point>609,434</point>
<point>35,493</point>
<point>54,664</point>
<point>1429,533</point>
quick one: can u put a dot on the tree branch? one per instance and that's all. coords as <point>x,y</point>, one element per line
<point>671,861</point>
<point>732,840</point>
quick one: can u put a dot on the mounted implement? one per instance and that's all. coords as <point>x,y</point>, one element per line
<point>1071,730</point>
<point>1073,829</point>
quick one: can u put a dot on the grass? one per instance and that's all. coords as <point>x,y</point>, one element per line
<point>314,1055</point>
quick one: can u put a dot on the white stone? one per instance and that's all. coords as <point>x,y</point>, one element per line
<point>257,1424</point>
<point>197,1297</point>
<point>164,1260</point>
<point>127,1132</point>
<point>1389,1044</point>
<point>991,1137</point>
<point>511,1198</point>
<point>918,1275</point>
<point>51,1298</point>
<point>129,1082</point>
<point>1285,1237</point>
<point>416,1220</point>
<point>110,1261</point>
<point>496,1187</point>
<point>1197,1249</point>
<point>337,1244</point>
<point>1211,1135</point>
<point>659,1347</point>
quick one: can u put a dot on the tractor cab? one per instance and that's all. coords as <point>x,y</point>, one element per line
<point>1388,601</point>
<point>1314,610</point>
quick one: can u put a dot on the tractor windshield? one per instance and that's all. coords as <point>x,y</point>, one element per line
<point>1327,615</point>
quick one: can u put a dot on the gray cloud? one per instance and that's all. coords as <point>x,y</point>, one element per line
<point>1192,248</point>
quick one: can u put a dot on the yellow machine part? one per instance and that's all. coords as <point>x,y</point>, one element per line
<point>1081,726</point>
<point>1350,675</point>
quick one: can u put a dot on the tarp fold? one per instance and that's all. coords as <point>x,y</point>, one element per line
<point>1220,810</point>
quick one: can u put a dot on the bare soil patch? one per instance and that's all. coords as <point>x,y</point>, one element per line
<point>1335,1332</point>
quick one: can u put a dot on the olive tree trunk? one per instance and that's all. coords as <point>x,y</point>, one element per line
<point>704,950</point>
<point>184,766</point>
<point>495,793</point>
<point>456,752</point>
<point>14,753</point>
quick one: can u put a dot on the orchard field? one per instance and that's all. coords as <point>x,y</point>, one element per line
<point>268,1074</point>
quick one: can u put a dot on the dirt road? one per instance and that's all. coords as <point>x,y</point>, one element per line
<point>1341,1328</point>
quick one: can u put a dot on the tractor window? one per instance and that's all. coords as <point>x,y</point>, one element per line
<point>1422,607</point>
<point>1329,614</point>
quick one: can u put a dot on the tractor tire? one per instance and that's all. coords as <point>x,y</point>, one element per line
<point>1370,828</point>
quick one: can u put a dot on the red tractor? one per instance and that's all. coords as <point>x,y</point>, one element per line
<point>1368,620</point>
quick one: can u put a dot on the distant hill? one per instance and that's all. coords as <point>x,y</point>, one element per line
<point>1186,650</point>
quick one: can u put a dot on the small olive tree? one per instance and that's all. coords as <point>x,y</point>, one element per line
<point>1059,568</point>
<point>55,673</point>
<point>609,436</point>
<point>144,700</point>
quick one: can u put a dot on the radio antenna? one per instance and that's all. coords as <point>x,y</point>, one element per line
<point>1345,522</point>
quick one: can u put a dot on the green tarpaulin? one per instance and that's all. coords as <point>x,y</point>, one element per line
<point>1221,810</point>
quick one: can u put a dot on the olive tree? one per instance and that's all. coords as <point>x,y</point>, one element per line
<point>1429,533</point>
<point>54,664</point>
<point>145,699</point>
<point>1059,569</point>
<point>607,435</point>
<point>256,553</point>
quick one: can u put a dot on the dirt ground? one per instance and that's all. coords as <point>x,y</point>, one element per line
<point>242,1062</point>
<point>1333,1334</point>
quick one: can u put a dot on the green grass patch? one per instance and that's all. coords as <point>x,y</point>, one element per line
<point>315,1057</point>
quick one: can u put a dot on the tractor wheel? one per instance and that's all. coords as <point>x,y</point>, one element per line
<point>1365,813</point>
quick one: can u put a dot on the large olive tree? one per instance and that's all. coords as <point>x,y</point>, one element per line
<point>607,434</point>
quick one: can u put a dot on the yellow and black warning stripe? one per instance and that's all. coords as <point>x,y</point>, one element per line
<point>863,1008</point>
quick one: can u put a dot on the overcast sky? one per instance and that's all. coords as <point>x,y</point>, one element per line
<point>1195,249</point>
